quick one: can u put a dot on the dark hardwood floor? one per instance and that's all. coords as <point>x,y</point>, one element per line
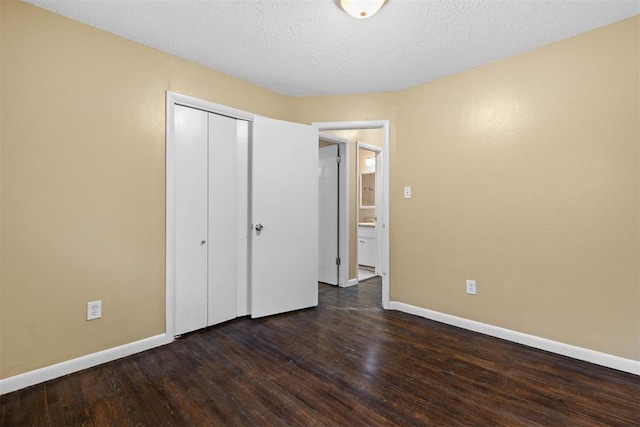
<point>346,362</point>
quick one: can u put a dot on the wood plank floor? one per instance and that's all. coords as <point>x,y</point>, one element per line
<point>347,363</point>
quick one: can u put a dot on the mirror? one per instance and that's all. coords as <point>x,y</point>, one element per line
<point>368,190</point>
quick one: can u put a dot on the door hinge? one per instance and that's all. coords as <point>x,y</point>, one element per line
<point>338,159</point>
<point>337,261</point>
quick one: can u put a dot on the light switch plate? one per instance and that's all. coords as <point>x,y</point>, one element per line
<point>407,192</point>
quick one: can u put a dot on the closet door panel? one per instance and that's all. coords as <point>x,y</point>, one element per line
<point>223,218</point>
<point>190,136</point>
<point>243,219</point>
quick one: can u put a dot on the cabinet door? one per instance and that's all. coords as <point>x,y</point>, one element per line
<point>190,136</point>
<point>367,248</point>
<point>361,255</point>
<point>368,256</point>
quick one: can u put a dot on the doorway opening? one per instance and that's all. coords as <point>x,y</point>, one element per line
<point>382,204</point>
<point>369,191</point>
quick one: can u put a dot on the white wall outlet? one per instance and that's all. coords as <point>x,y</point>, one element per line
<point>407,192</point>
<point>94,310</point>
<point>471,287</point>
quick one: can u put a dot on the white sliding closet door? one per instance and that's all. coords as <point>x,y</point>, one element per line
<point>211,217</point>
<point>284,253</point>
<point>223,218</point>
<point>191,168</point>
<point>214,257</point>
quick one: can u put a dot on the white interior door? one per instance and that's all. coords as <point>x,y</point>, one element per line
<point>328,215</point>
<point>190,136</point>
<point>284,206</point>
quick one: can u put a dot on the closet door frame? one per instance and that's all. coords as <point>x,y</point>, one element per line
<point>173,99</point>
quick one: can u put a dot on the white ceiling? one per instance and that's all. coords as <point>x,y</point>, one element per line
<point>311,47</point>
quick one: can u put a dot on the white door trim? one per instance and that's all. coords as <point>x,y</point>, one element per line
<point>369,146</point>
<point>378,196</point>
<point>384,220</point>
<point>343,219</point>
<point>173,99</point>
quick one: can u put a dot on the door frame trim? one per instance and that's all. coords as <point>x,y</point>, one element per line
<point>343,218</point>
<point>171,100</point>
<point>384,125</point>
<point>378,194</point>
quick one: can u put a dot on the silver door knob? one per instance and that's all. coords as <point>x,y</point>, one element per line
<point>259,227</point>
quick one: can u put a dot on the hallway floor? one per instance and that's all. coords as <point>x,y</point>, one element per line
<point>365,273</point>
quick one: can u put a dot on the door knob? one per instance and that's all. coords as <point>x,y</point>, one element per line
<point>203,242</point>
<point>259,227</point>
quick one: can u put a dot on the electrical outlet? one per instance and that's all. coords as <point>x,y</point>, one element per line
<point>94,310</point>
<point>471,287</point>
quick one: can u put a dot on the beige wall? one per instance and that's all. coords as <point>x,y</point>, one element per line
<point>83,182</point>
<point>1,190</point>
<point>525,177</point>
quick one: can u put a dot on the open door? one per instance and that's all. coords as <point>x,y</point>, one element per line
<point>284,215</point>
<point>328,186</point>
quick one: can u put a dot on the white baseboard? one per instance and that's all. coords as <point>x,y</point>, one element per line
<point>47,373</point>
<point>580,353</point>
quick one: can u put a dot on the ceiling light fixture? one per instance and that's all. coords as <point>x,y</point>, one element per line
<point>361,8</point>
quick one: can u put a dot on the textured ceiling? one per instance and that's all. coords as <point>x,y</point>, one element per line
<point>311,47</point>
